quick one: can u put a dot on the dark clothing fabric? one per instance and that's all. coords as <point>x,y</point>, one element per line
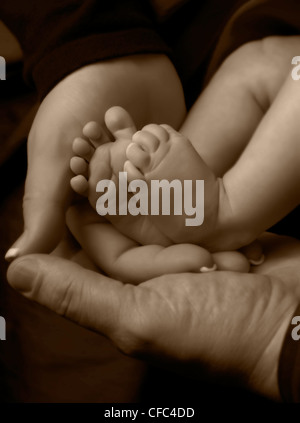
<point>60,36</point>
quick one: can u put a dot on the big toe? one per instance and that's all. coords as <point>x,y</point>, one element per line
<point>119,123</point>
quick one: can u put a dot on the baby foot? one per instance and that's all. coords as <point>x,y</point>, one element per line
<point>105,162</point>
<point>158,152</point>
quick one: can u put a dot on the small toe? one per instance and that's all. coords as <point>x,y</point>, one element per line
<point>93,131</point>
<point>80,184</point>
<point>82,148</point>
<point>79,166</point>
<point>158,131</point>
<point>138,156</point>
<point>170,130</point>
<point>146,140</point>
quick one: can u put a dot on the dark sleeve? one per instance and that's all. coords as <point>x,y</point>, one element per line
<point>60,36</point>
<point>289,363</point>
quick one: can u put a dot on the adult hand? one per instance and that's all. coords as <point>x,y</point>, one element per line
<point>216,324</point>
<point>146,85</point>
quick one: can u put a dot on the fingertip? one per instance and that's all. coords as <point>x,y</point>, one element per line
<point>258,261</point>
<point>233,261</point>
<point>205,269</point>
<point>42,234</point>
<point>12,254</point>
<point>253,252</point>
<point>20,274</point>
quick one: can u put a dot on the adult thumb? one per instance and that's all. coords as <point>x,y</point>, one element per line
<point>86,297</point>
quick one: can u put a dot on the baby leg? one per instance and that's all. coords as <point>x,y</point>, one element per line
<point>225,116</point>
<point>123,259</point>
<point>263,185</point>
<point>252,95</point>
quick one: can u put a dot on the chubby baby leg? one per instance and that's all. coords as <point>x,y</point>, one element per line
<point>123,259</point>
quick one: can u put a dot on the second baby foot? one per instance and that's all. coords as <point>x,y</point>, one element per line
<point>159,153</point>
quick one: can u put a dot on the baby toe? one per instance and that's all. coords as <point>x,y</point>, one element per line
<point>79,184</point>
<point>119,123</point>
<point>93,131</point>
<point>146,140</point>
<point>79,166</point>
<point>160,133</point>
<point>82,148</point>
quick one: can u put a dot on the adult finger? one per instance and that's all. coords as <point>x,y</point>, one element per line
<point>84,296</point>
<point>47,190</point>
